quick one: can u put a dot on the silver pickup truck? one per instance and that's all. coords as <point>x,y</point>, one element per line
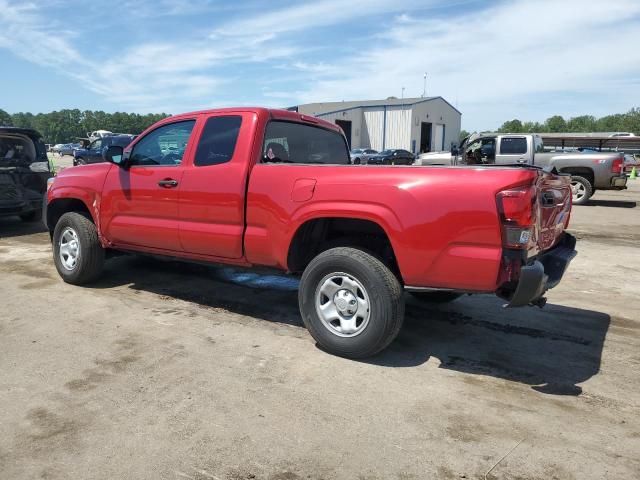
<point>589,171</point>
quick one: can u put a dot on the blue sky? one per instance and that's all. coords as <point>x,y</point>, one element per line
<point>495,61</point>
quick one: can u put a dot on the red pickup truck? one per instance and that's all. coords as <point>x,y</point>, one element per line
<point>256,186</point>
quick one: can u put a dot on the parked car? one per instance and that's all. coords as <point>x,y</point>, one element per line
<point>94,151</point>
<point>68,149</point>
<point>256,187</point>
<point>590,171</point>
<point>622,134</point>
<point>24,171</point>
<point>361,156</point>
<point>392,157</point>
<point>56,148</point>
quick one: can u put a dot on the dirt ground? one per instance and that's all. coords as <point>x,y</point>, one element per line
<point>175,371</point>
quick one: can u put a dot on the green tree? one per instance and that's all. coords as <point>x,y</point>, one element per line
<point>512,126</point>
<point>66,126</point>
<point>532,127</point>
<point>631,121</point>
<point>556,124</point>
<point>22,120</point>
<point>584,123</point>
<point>463,135</point>
<point>5,119</point>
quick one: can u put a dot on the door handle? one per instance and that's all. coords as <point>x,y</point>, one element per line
<point>168,183</point>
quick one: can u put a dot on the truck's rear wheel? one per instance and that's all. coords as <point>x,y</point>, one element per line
<point>581,190</point>
<point>77,252</point>
<point>436,297</point>
<point>350,302</point>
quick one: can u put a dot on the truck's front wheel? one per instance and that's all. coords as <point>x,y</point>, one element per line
<point>350,302</point>
<point>77,252</point>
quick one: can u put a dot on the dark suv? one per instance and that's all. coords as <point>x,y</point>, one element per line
<point>93,152</point>
<point>24,171</point>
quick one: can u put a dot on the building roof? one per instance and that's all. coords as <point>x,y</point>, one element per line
<point>323,108</point>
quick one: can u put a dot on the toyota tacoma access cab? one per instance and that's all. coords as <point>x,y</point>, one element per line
<point>261,187</point>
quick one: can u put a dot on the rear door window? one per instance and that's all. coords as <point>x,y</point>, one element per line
<point>218,140</point>
<point>289,142</point>
<point>513,146</point>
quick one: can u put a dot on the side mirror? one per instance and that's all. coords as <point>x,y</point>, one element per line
<point>114,154</point>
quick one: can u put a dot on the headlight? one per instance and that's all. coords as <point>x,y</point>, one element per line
<point>49,182</point>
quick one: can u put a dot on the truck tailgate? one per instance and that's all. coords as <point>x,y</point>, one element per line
<point>554,209</point>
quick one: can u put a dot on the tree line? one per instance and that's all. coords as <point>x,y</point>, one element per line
<point>619,122</point>
<point>67,126</point>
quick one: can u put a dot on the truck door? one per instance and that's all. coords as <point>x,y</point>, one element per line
<point>212,193</point>
<point>94,151</point>
<point>139,204</point>
<point>514,149</point>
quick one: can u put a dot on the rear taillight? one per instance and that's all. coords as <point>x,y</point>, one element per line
<point>517,209</point>
<point>617,166</point>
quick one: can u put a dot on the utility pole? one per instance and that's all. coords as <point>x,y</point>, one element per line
<point>402,98</point>
<point>424,86</point>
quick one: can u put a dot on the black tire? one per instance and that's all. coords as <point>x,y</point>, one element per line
<point>582,183</point>
<point>386,303</point>
<point>34,216</point>
<point>90,257</point>
<point>80,161</point>
<point>356,161</point>
<point>436,297</point>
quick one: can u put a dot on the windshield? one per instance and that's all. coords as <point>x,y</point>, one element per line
<point>356,151</point>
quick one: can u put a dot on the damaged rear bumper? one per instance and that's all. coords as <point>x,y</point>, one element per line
<point>544,273</point>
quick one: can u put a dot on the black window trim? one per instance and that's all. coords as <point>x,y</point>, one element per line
<point>344,139</point>
<point>141,137</point>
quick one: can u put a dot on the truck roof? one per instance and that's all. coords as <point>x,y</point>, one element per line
<point>275,113</point>
<point>30,132</point>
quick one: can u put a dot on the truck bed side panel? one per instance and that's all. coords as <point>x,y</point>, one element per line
<point>442,222</point>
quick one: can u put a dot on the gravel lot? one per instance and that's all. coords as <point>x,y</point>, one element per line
<point>174,371</point>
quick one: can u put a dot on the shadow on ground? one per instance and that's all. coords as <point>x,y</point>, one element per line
<point>552,349</point>
<point>14,227</point>
<point>611,203</point>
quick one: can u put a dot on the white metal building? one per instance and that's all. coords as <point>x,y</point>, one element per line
<point>416,124</point>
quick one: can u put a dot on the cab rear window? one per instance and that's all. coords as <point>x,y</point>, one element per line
<point>289,142</point>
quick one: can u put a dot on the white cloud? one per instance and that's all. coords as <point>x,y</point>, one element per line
<point>309,15</point>
<point>494,59</point>
<point>520,58</point>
